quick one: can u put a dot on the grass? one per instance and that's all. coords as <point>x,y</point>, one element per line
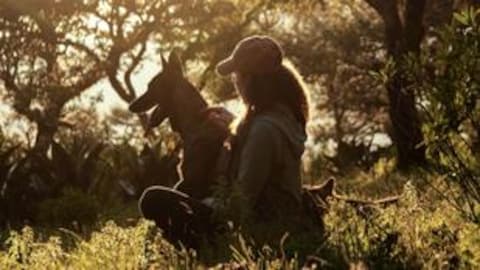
<point>421,231</point>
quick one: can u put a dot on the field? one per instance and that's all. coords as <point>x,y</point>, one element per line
<point>422,230</point>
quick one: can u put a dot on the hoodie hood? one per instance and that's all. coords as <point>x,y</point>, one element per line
<point>283,119</point>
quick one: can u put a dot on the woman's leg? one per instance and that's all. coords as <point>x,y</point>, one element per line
<point>181,217</point>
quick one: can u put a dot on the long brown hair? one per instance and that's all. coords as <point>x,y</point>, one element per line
<point>283,86</point>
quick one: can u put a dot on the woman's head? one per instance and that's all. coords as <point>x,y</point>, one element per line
<point>262,79</point>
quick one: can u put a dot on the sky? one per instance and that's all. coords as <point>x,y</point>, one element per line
<point>111,99</point>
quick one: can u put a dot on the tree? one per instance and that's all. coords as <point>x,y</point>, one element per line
<point>40,70</point>
<point>53,51</point>
<point>446,79</point>
<point>335,45</point>
<point>404,31</point>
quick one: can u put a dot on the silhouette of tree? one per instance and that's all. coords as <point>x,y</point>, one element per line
<point>405,26</point>
<point>53,51</point>
<point>335,50</point>
<point>40,70</point>
<point>404,31</point>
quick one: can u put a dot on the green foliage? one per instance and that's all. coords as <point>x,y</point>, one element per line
<point>446,78</point>
<point>415,233</point>
<point>112,247</point>
<point>420,231</point>
<point>72,207</point>
<point>80,172</point>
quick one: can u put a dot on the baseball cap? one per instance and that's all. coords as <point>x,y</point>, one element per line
<point>254,54</point>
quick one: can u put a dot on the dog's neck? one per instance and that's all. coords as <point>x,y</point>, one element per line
<point>187,107</point>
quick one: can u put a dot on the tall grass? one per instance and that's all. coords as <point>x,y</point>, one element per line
<point>420,231</point>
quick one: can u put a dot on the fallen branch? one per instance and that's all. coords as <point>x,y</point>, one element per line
<point>327,190</point>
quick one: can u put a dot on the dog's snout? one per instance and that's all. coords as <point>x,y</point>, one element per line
<point>142,104</point>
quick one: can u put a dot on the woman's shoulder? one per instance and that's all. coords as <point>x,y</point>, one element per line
<point>281,118</point>
<point>281,125</point>
<point>267,125</point>
<point>263,126</point>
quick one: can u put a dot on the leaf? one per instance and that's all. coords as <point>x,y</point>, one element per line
<point>461,18</point>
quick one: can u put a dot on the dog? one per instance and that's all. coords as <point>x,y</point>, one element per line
<point>175,98</point>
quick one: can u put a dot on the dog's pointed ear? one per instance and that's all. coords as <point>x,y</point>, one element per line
<point>175,63</point>
<point>163,61</point>
<point>324,190</point>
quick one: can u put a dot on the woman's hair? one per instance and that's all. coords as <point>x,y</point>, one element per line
<point>283,86</point>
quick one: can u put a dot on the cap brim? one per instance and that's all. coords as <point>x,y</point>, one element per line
<point>226,67</point>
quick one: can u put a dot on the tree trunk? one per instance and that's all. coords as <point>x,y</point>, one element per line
<point>404,32</point>
<point>47,126</point>
<point>403,112</point>
<point>43,139</point>
<point>407,133</point>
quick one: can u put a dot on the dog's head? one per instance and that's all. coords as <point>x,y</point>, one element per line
<point>159,91</point>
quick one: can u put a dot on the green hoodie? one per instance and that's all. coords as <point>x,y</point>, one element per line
<point>266,169</point>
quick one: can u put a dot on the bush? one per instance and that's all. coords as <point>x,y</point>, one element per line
<point>420,231</point>
<point>447,81</point>
<point>415,233</point>
<point>72,207</point>
<point>113,247</point>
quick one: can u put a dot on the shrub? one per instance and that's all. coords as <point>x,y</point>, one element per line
<point>447,81</point>
<point>112,247</point>
<point>415,233</point>
<point>72,207</point>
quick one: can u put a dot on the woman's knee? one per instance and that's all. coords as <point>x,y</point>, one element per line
<point>158,200</point>
<point>150,201</point>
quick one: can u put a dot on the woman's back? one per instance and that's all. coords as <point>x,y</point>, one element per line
<point>266,166</point>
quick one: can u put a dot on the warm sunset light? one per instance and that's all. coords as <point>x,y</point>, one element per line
<point>239,134</point>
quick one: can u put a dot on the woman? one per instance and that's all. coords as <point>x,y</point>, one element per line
<point>265,169</point>
<point>263,176</point>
